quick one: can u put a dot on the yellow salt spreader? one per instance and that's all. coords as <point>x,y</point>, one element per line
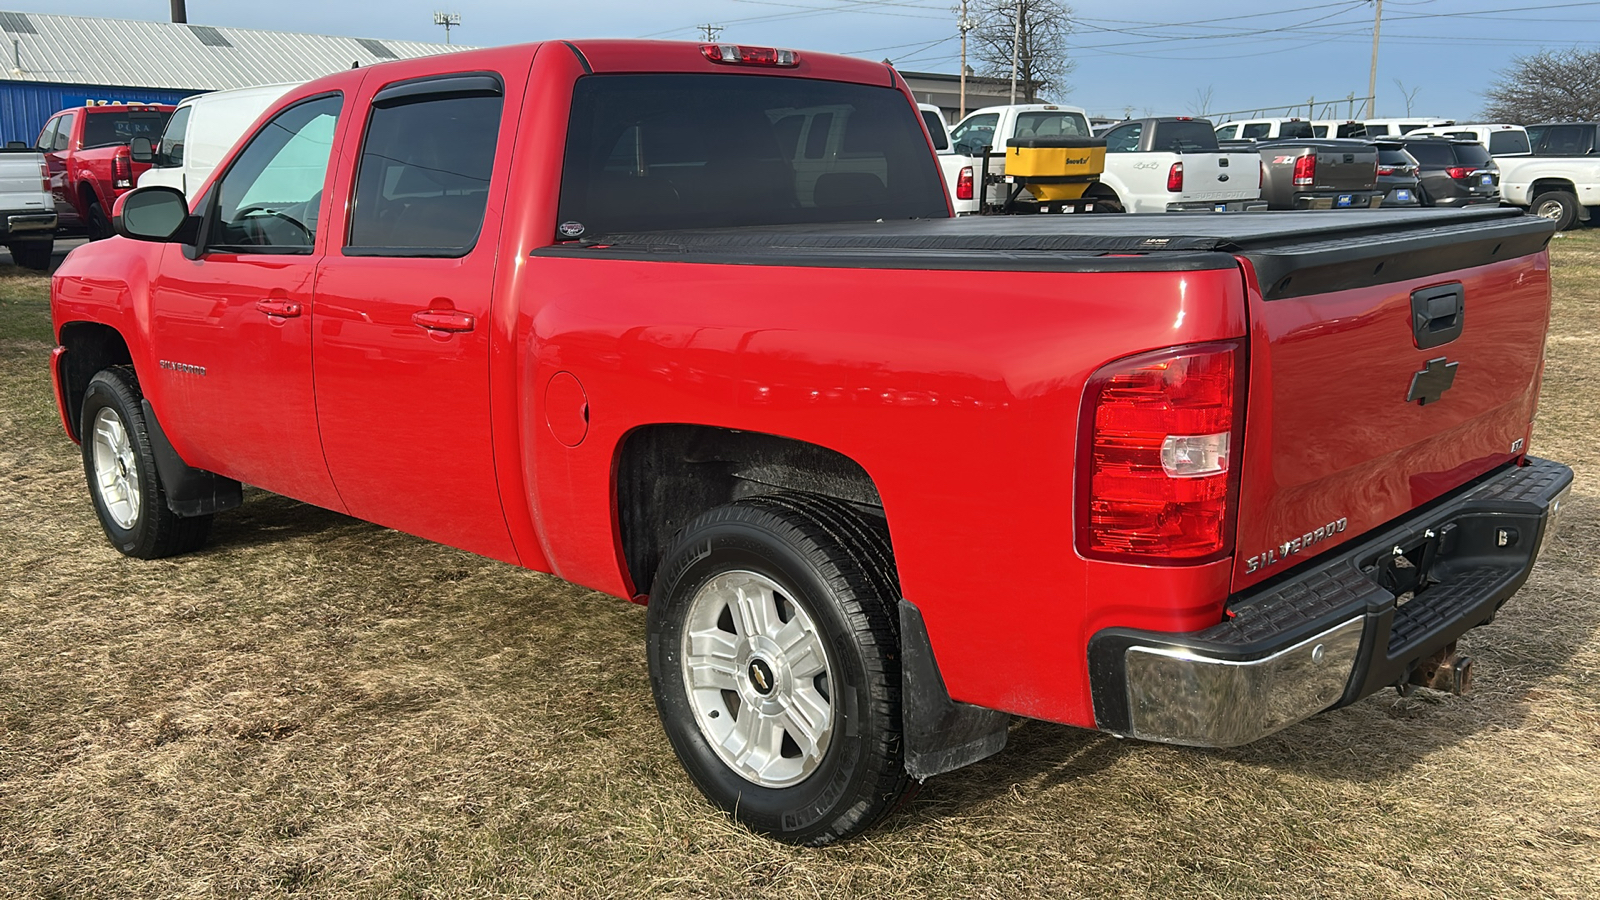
<point>1055,171</point>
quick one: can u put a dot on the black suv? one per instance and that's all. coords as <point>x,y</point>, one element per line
<point>1397,174</point>
<point>1454,172</point>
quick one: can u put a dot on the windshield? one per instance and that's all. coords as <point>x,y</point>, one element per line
<point>652,152</point>
<point>120,127</point>
<point>1181,137</point>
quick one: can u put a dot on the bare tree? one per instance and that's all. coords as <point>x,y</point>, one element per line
<point>1549,85</point>
<point>1409,96</point>
<point>1201,104</point>
<point>1041,43</point>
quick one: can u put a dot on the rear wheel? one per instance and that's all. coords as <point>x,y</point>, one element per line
<point>120,467</point>
<point>98,224</point>
<point>774,662</point>
<point>32,254</point>
<point>1558,206</point>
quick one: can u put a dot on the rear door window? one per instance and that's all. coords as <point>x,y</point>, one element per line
<point>1505,143</point>
<point>423,181</point>
<point>975,132</point>
<point>1564,140</point>
<point>64,128</point>
<point>1257,130</point>
<point>1227,132</point>
<point>1124,138</point>
<point>651,152</point>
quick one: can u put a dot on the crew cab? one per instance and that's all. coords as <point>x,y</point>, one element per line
<point>86,148</point>
<point>27,211</point>
<point>1173,164</point>
<point>884,477</point>
<point>1561,179</point>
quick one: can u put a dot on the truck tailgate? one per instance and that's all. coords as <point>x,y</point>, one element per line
<point>1217,177</point>
<point>1385,371</point>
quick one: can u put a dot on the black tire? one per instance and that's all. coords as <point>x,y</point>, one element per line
<point>834,566</point>
<point>1108,203</point>
<point>98,224</point>
<point>1558,206</point>
<point>33,254</point>
<point>142,527</point>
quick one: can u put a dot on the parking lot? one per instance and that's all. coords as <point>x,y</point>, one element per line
<point>318,706</point>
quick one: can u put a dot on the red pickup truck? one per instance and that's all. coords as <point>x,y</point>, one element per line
<point>86,150</point>
<point>885,477</point>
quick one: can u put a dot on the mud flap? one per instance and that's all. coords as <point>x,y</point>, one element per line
<point>941,735</point>
<point>190,491</point>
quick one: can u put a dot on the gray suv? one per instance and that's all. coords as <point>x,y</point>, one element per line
<point>1454,172</point>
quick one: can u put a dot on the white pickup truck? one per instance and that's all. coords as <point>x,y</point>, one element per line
<point>27,209</point>
<point>1152,165</point>
<point>1561,180</point>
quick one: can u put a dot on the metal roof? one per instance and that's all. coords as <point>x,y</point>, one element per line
<point>128,53</point>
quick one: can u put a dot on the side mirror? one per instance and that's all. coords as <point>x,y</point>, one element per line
<point>141,150</point>
<point>159,214</point>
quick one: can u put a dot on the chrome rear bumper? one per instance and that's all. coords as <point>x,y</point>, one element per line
<point>1334,630</point>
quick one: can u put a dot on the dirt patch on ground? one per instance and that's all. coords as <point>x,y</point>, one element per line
<point>320,707</point>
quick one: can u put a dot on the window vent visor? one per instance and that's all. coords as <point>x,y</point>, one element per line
<point>450,86</point>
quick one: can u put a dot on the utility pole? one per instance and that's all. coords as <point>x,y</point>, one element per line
<point>1372,76</point>
<point>965,25</point>
<point>1016,42</point>
<point>710,32</point>
<point>449,21</point>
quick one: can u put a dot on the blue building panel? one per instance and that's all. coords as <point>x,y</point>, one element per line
<point>26,105</point>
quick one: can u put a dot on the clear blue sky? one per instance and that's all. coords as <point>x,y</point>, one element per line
<point>1248,53</point>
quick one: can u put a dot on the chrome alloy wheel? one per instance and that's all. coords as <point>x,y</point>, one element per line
<point>1551,209</point>
<point>759,679</point>
<point>116,472</point>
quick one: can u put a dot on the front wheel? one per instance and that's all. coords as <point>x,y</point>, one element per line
<point>1558,206</point>
<point>123,482</point>
<point>775,665</point>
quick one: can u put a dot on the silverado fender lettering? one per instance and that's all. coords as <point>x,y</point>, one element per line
<point>624,313</point>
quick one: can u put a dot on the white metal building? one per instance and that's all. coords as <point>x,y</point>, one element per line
<point>54,62</point>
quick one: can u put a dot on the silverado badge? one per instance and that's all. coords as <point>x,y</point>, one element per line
<point>1278,554</point>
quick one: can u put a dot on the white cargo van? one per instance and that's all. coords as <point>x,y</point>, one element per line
<point>201,132</point>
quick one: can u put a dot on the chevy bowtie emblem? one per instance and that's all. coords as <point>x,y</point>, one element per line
<point>1430,384</point>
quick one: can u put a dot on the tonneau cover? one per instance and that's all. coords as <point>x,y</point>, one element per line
<point>1294,253</point>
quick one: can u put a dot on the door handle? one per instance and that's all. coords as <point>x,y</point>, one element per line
<point>287,309</point>
<point>447,320</point>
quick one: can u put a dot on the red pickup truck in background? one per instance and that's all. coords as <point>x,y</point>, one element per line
<point>885,477</point>
<point>86,150</point>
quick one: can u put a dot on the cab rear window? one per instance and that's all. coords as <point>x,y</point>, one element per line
<point>119,128</point>
<point>656,152</point>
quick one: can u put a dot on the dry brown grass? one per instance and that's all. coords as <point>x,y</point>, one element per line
<point>319,707</point>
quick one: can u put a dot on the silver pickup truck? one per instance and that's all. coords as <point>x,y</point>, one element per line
<point>27,211</point>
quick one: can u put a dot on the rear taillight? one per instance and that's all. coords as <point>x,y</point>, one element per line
<point>964,184</point>
<point>1305,169</point>
<point>44,176</point>
<point>122,169</point>
<point>1388,170</point>
<point>1175,177</point>
<point>1261,175</point>
<point>1459,171</point>
<point>1157,483</point>
<point>738,54</point>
